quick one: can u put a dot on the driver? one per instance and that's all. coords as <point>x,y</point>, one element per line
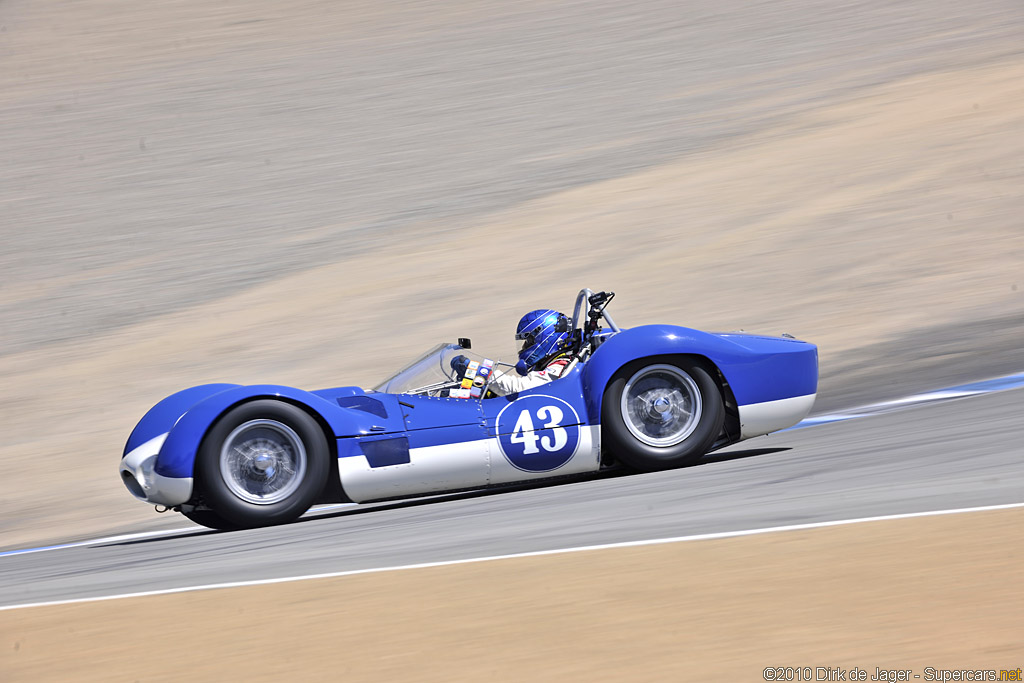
<point>544,357</point>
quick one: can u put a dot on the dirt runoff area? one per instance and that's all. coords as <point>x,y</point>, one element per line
<point>902,595</point>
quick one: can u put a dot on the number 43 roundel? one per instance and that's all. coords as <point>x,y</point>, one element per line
<point>538,433</point>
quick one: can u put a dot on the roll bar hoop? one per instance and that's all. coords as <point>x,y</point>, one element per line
<point>592,300</point>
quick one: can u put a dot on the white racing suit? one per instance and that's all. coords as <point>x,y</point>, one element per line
<point>511,382</point>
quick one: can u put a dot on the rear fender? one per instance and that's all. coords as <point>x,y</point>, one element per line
<point>756,369</point>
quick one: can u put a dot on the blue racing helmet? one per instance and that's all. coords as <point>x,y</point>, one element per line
<point>543,332</point>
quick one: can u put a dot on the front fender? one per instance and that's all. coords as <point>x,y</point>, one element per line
<point>161,417</point>
<point>177,455</point>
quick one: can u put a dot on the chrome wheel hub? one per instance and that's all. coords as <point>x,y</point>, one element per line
<point>661,405</point>
<point>263,461</point>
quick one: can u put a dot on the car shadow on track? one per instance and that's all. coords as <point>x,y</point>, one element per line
<point>746,453</point>
<point>403,504</point>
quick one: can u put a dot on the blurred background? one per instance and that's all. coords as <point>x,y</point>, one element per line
<point>312,193</point>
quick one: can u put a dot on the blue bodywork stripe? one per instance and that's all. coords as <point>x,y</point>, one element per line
<point>386,452</point>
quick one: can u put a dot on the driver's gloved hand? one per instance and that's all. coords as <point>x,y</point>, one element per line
<point>459,365</point>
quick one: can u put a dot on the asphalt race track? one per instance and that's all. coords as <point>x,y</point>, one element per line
<point>954,454</point>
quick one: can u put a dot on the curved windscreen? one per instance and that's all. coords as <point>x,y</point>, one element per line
<point>430,371</point>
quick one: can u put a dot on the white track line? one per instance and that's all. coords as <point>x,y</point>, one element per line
<point>140,535</point>
<point>987,386</point>
<point>98,541</point>
<point>538,553</point>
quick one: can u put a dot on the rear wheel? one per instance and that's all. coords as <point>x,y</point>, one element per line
<point>659,415</point>
<point>262,463</point>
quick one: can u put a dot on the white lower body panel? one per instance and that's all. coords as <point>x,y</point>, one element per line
<point>450,467</point>
<point>434,468</point>
<point>586,458</point>
<point>757,419</point>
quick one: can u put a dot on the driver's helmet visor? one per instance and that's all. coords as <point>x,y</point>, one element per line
<point>528,338</point>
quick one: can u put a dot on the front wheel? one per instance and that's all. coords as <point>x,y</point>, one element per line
<point>660,415</point>
<point>262,463</point>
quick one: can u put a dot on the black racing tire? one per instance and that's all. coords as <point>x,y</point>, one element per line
<point>634,431</point>
<point>262,463</point>
<point>209,519</point>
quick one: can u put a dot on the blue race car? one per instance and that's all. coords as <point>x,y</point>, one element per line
<point>648,398</point>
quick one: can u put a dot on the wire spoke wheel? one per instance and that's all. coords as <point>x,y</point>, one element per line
<point>263,461</point>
